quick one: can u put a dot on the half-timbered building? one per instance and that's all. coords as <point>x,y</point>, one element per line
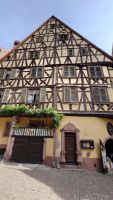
<point>57,67</point>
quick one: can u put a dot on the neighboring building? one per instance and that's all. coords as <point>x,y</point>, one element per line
<point>3,52</point>
<point>57,67</point>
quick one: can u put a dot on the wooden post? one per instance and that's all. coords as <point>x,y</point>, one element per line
<point>8,152</point>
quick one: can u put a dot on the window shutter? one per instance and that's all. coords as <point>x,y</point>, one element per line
<point>104,97</point>
<point>5,96</point>
<point>42,94</point>
<point>67,94</point>
<point>33,72</point>
<point>98,71</point>
<point>7,129</point>
<point>72,71</point>
<point>37,96</point>
<point>2,73</point>
<point>96,95</point>
<point>92,71</point>
<point>74,95</point>
<point>13,73</point>
<point>39,72</point>
<point>66,71</point>
<point>23,95</point>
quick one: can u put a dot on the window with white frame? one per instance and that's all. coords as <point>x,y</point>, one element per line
<point>69,71</point>
<point>36,72</point>
<point>100,94</point>
<point>70,94</point>
<point>95,71</point>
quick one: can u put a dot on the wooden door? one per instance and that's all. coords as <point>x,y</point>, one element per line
<point>70,148</point>
<point>28,149</point>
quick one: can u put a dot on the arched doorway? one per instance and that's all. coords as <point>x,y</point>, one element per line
<point>109,148</point>
<point>70,145</point>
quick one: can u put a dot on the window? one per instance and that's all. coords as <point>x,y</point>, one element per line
<point>100,94</point>
<point>70,94</point>
<point>52,26</point>
<point>70,52</point>
<point>63,37</point>
<point>95,71</point>
<point>7,129</point>
<point>84,51</point>
<point>39,39</point>
<point>69,71</point>
<point>33,54</point>
<point>36,96</point>
<point>36,72</point>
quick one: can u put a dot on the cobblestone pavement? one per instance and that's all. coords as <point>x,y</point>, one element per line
<point>37,182</point>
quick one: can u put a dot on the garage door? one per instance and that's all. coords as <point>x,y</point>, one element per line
<point>28,149</point>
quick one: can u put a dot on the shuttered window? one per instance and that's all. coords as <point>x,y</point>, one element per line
<point>36,96</point>
<point>36,72</point>
<point>13,74</point>
<point>95,71</point>
<point>2,73</point>
<point>84,51</point>
<point>23,95</point>
<point>69,71</point>
<point>100,95</point>
<point>6,96</point>
<point>70,94</point>
<point>7,129</point>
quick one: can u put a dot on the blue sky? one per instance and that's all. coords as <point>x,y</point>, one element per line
<point>91,18</point>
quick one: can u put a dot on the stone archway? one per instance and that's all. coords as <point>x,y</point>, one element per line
<point>69,129</point>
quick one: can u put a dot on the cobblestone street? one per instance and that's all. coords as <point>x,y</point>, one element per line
<point>37,182</point>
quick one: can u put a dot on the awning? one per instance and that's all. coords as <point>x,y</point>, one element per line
<point>36,132</point>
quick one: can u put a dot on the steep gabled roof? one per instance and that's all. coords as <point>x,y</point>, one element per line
<point>53,17</point>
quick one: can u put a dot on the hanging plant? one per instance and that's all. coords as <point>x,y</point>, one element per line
<point>11,110</point>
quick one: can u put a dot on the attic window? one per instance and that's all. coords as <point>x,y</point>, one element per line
<point>52,26</point>
<point>39,39</point>
<point>70,52</point>
<point>84,51</point>
<point>63,37</point>
<point>33,54</point>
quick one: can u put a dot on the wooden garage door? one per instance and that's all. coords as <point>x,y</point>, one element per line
<point>28,149</point>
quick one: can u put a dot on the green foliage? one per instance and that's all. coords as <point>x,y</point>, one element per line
<point>11,110</point>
